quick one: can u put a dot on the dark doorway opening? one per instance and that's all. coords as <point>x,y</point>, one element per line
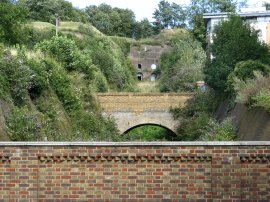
<point>139,66</point>
<point>139,76</point>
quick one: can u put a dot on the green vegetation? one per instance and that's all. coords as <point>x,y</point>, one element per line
<point>198,123</point>
<point>241,44</point>
<point>254,92</point>
<point>49,82</point>
<point>118,22</point>
<point>149,133</point>
<point>46,10</point>
<point>191,16</point>
<point>182,66</point>
<point>12,20</point>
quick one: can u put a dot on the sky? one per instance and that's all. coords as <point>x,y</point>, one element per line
<point>141,8</point>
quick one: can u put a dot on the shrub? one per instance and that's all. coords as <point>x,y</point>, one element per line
<point>182,67</point>
<point>65,51</point>
<point>100,82</point>
<point>61,84</point>
<point>262,99</point>
<point>247,90</point>
<point>16,77</point>
<point>224,131</point>
<point>61,48</point>
<point>39,78</point>
<point>22,125</point>
<point>245,70</point>
<point>192,128</point>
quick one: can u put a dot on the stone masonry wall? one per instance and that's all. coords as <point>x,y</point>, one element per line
<point>141,102</point>
<point>143,172</point>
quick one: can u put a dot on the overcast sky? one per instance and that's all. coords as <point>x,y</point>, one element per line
<point>141,8</point>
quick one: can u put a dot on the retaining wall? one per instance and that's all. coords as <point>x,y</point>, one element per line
<point>170,171</point>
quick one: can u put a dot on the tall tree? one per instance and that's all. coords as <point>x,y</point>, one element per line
<point>169,15</point>
<point>46,10</point>
<point>111,21</point>
<point>143,29</point>
<point>234,41</point>
<point>12,18</point>
<point>198,7</point>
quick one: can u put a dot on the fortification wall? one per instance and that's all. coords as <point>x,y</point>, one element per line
<point>171,171</point>
<point>146,55</point>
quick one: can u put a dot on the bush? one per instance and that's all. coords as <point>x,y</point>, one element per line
<point>16,77</point>
<point>61,84</point>
<point>22,125</point>
<point>192,128</point>
<point>262,99</point>
<point>247,90</point>
<point>182,67</point>
<point>196,116</point>
<point>100,82</point>
<point>254,92</point>
<point>108,57</point>
<point>65,51</point>
<point>61,48</point>
<point>245,70</point>
<point>39,78</point>
<point>224,131</point>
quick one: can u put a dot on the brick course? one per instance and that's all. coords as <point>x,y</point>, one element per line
<point>134,172</point>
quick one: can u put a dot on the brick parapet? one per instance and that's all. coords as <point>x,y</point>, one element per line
<point>159,171</point>
<point>141,102</point>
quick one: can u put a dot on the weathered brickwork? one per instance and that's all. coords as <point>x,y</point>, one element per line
<point>135,172</point>
<point>141,102</point>
<point>134,109</point>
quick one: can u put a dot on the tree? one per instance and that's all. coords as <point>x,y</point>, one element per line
<point>12,19</point>
<point>143,29</point>
<point>46,10</point>
<point>112,21</point>
<point>182,67</point>
<point>169,15</point>
<point>234,41</point>
<point>198,7</point>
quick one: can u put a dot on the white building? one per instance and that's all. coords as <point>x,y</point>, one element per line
<point>259,19</point>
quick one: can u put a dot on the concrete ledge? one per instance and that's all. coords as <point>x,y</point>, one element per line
<point>129,144</point>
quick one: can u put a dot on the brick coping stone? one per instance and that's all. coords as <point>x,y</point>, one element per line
<point>123,144</point>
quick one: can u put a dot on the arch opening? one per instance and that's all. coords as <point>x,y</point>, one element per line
<point>139,76</point>
<point>149,132</point>
<point>153,77</point>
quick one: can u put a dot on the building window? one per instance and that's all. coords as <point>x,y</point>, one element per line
<point>139,76</point>
<point>139,66</point>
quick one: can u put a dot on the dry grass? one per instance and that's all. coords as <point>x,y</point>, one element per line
<point>148,87</point>
<point>42,25</point>
<point>248,90</point>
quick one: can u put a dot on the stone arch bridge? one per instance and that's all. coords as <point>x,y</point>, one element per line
<point>131,110</point>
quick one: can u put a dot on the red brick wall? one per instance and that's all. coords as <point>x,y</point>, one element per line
<point>135,172</point>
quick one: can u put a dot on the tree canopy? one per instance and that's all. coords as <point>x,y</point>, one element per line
<point>46,10</point>
<point>111,21</point>
<point>12,18</point>
<point>169,15</point>
<point>234,41</point>
<point>191,16</point>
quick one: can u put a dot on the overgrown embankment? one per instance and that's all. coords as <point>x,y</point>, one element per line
<point>48,87</point>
